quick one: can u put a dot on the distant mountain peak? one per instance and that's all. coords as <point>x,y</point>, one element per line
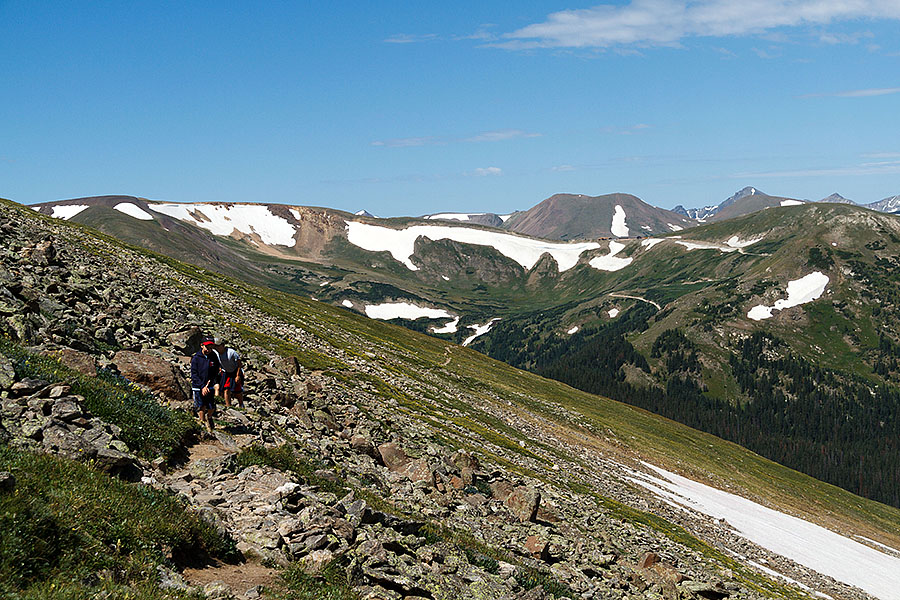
<point>743,193</point>
<point>836,198</point>
<point>363,213</point>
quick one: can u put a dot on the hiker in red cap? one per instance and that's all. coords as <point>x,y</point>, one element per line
<point>204,377</point>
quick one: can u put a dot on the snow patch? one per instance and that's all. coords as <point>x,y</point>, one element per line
<point>450,327</point>
<point>505,218</point>
<point>674,227</point>
<point>791,203</point>
<point>618,227</point>
<point>572,331</point>
<point>736,242</point>
<point>404,310</point>
<point>703,246</point>
<point>67,211</point>
<point>810,545</point>
<point>347,303</point>
<point>613,313</point>
<point>609,262</point>
<point>800,291</point>
<point>454,216</point>
<point>401,243</point>
<point>133,210</point>
<point>225,219</point>
<point>445,278</point>
<point>650,242</point>
<point>479,330</point>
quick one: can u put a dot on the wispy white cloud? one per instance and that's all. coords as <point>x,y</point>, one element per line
<point>486,172</point>
<point>563,168</point>
<point>867,168</point>
<point>856,93</point>
<point>411,38</point>
<point>668,22</point>
<point>409,142</point>
<point>877,155</point>
<point>499,135</point>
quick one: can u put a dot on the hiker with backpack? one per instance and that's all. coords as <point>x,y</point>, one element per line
<point>231,383</point>
<point>205,376</point>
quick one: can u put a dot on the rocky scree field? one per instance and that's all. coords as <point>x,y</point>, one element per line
<point>371,462</point>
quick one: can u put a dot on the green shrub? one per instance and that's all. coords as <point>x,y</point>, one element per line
<point>331,584</point>
<point>68,528</point>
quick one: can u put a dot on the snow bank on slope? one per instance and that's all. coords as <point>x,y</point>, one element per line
<point>613,313</point>
<point>800,291</point>
<point>401,243</point>
<point>573,331</point>
<point>791,203</point>
<point>67,211</point>
<point>224,219</point>
<point>618,227</point>
<point>736,242</point>
<point>703,246</point>
<point>609,262</point>
<point>650,242</point>
<point>674,227</point>
<point>479,330</point>
<point>810,545</point>
<point>347,303</point>
<point>404,310</point>
<point>450,327</point>
<point>133,210</point>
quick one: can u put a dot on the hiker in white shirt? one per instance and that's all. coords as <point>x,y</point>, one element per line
<point>232,381</point>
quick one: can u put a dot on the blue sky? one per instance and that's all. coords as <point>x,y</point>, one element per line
<point>415,107</point>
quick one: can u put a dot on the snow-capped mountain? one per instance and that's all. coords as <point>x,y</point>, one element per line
<point>890,204</point>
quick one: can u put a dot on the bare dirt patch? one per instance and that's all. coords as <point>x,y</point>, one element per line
<point>239,578</point>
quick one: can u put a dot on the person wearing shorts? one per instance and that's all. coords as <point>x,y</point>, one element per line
<point>205,371</point>
<point>231,380</point>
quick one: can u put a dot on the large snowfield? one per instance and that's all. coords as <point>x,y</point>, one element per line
<point>808,544</point>
<point>799,291</point>
<point>224,219</point>
<point>618,227</point>
<point>401,243</point>
<point>67,211</point>
<point>133,210</point>
<point>404,310</point>
<point>609,262</point>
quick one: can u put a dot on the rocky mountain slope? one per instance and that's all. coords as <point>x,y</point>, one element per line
<point>373,459</point>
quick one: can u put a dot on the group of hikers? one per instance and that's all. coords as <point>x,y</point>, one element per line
<point>216,370</point>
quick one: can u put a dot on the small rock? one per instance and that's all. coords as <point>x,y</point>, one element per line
<point>7,481</point>
<point>524,503</point>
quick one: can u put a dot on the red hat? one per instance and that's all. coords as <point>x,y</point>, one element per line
<point>207,342</point>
